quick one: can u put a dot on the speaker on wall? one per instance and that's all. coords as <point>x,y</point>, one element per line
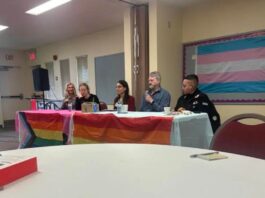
<point>41,79</point>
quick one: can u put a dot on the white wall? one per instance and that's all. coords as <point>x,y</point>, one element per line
<point>153,29</point>
<point>170,49</point>
<point>19,80</point>
<point>106,42</point>
<point>221,18</point>
<point>204,20</point>
<point>165,27</point>
<point>14,82</point>
<point>128,45</point>
<point>212,19</point>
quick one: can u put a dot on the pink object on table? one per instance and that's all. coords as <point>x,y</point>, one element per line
<point>33,104</point>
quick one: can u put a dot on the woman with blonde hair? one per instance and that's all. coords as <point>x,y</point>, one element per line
<point>69,96</point>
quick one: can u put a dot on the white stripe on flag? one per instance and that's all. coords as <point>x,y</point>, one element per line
<point>257,64</point>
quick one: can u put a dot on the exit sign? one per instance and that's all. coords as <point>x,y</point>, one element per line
<point>32,56</point>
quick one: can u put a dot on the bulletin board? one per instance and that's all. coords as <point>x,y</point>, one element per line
<point>230,69</point>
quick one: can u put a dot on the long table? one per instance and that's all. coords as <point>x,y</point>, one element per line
<point>49,127</point>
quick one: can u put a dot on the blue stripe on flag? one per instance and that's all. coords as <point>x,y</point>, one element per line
<point>234,87</point>
<point>225,46</point>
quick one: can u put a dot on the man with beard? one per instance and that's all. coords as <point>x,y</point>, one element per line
<point>155,98</point>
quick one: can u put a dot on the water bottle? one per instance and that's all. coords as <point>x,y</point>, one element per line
<point>70,106</point>
<point>95,107</point>
<point>119,107</point>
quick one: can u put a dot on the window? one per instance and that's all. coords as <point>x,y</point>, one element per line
<point>51,94</point>
<point>106,81</point>
<point>65,73</point>
<point>82,69</point>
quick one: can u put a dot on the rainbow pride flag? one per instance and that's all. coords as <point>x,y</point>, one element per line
<point>108,128</point>
<point>42,128</point>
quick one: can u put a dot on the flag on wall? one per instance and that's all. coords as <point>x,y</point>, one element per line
<point>233,67</point>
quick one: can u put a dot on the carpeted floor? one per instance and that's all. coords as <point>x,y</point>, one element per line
<point>8,137</point>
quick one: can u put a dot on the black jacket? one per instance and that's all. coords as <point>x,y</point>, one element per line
<point>79,101</point>
<point>199,102</point>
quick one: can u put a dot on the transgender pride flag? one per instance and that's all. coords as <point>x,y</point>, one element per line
<point>233,69</point>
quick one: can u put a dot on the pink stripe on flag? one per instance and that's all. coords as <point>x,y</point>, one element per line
<point>239,55</point>
<point>240,76</point>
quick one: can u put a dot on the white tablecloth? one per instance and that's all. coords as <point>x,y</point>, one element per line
<point>192,131</point>
<point>142,171</point>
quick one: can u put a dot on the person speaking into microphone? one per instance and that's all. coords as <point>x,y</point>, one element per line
<point>155,98</point>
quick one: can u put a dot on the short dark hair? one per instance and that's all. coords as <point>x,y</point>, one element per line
<point>194,78</point>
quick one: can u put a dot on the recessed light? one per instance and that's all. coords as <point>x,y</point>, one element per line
<point>46,6</point>
<point>3,27</point>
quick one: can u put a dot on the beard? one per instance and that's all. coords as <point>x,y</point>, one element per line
<point>151,86</point>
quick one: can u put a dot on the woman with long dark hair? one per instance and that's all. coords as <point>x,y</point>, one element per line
<point>123,97</point>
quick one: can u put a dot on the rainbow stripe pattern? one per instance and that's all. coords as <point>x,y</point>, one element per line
<point>108,128</point>
<point>43,128</point>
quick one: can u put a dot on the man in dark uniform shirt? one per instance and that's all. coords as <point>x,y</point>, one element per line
<point>196,101</point>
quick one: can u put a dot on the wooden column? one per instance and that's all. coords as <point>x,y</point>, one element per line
<point>140,65</point>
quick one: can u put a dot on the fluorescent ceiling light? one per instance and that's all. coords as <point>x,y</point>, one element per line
<point>2,27</point>
<point>46,6</point>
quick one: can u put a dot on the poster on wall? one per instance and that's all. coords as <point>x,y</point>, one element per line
<point>230,69</point>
